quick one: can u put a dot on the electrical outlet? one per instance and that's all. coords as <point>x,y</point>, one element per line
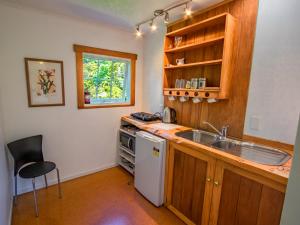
<point>254,123</point>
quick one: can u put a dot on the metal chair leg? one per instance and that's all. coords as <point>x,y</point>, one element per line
<point>16,190</point>
<point>46,182</point>
<point>35,198</point>
<point>58,183</point>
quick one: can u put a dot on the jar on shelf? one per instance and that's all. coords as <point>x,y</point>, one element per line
<point>201,83</point>
<point>194,83</point>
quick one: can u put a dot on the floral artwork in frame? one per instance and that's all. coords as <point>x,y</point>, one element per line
<point>45,82</point>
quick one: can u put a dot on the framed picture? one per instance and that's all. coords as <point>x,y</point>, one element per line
<point>45,82</point>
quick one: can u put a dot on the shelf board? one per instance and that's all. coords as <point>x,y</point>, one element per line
<point>208,92</point>
<point>197,26</point>
<point>127,150</point>
<point>187,65</point>
<point>130,170</point>
<point>128,158</point>
<point>127,132</point>
<point>206,89</point>
<point>196,45</point>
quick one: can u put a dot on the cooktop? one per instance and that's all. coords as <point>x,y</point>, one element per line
<point>145,116</point>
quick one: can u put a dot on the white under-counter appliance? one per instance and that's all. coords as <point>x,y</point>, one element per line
<point>150,157</point>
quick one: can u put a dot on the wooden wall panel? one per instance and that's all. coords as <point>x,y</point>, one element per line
<point>233,110</point>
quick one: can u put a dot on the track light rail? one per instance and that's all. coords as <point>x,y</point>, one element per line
<point>162,12</point>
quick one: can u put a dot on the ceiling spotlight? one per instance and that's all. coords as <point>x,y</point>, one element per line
<point>138,32</point>
<point>153,26</point>
<point>187,10</point>
<point>167,18</point>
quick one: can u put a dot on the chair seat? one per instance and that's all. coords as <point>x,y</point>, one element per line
<point>37,169</point>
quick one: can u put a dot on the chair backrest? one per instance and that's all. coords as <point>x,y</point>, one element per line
<point>26,150</point>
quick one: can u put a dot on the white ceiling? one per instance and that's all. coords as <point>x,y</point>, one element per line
<point>122,13</point>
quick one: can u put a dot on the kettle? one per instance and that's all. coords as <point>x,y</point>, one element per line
<point>169,115</point>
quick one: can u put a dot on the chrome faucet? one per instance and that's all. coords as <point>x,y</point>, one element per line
<point>222,133</point>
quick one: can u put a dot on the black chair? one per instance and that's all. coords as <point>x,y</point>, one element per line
<point>29,163</point>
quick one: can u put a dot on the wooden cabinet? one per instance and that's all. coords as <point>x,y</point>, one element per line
<point>207,49</point>
<point>244,198</point>
<point>188,189</point>
<point>203,190</point>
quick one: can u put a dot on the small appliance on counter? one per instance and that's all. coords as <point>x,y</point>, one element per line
<point>145,116</point>
<point>169,115</point>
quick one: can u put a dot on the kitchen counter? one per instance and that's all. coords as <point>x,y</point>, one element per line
<point>279,174</point>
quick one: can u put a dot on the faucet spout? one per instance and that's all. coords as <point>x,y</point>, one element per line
<point>222,133</point>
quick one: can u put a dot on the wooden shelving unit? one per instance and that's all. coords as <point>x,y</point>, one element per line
<point>201,44</point>
<point>208,92</point>
<point>187,65</point>
<point>207,49</point>
<point>215,89</point>
<point>219,19</point>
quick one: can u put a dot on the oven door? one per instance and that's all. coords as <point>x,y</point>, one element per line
<point>127,141</point>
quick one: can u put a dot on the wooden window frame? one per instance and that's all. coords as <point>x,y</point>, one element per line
<point>79,51</point>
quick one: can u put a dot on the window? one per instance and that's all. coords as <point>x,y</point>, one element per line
<point>105,78</point>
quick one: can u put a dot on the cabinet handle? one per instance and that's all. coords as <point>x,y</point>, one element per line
<point>208,179</point>
<point>216,183</point>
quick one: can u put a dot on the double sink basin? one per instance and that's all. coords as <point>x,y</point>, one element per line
<point>250,151</point>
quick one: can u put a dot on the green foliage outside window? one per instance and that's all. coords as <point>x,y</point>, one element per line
<point>105,79</point>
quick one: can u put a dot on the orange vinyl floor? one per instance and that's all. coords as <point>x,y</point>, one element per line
<point>104,198</point>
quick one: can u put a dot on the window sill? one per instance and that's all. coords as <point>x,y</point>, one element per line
<point>105,106</point>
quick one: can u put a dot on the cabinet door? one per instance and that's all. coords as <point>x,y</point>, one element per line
<point>189,186</point>
<point>244,198</point>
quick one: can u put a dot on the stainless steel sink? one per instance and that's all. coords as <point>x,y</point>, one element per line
<point>198,136</point>
<point>245,150</point>
<point>224,144</point>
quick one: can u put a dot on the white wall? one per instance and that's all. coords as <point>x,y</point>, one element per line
<point>79,141</point>
<point>290,214</point>
<point>275,78</point>
<point>5,190</point>
<point>153,68</point>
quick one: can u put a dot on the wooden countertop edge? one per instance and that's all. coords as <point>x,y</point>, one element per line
<point>235,161</point>
<point>259,169</point>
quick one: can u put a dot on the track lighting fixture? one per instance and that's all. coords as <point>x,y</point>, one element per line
<point>187,10</point>
<point>167,18</point>
<point>152,25</point>
<point>165,13</point>
<point>138,32</point>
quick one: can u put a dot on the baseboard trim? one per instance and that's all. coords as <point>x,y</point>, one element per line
<point>70,177</point>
